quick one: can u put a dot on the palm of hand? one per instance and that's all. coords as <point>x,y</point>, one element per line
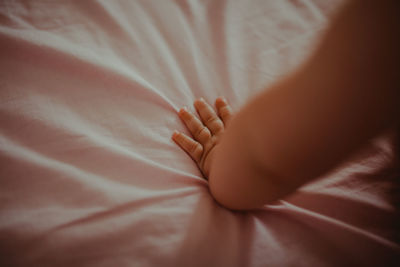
<point>206,131</point>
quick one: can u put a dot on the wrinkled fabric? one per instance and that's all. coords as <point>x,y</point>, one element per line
<point>89,94</point>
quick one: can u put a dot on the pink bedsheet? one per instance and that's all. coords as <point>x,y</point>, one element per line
<point>90,177</point>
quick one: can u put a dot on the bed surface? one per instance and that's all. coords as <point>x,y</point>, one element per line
<point>89,176</point>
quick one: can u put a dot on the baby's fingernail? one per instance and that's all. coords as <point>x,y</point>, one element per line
<point>201,99</point>
<point>221,99</point>
<point>175,134</point>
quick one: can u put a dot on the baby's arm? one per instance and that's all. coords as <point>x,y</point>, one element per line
<point>304,126</point>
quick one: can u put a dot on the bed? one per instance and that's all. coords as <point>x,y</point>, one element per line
<point>89,175</point>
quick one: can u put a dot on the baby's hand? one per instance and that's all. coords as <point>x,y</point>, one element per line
<point>206,132</point>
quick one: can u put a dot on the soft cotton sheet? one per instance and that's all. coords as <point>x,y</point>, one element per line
<point>89,176</point>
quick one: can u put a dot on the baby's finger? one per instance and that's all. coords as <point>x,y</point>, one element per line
<point>208,116</point>
<point>190,146</point>
<point>195,126</point>
<point>224,110</point>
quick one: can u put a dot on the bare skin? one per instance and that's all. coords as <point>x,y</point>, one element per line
<point>206,131</point>
<point>347,93</point>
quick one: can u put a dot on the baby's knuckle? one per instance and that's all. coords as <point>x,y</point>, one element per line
<point>218,124</point>
<point>225,111</point>
<point>204,133</point>
<point>195,147</point>
<point>211,119</point>
<point>199,132</point>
